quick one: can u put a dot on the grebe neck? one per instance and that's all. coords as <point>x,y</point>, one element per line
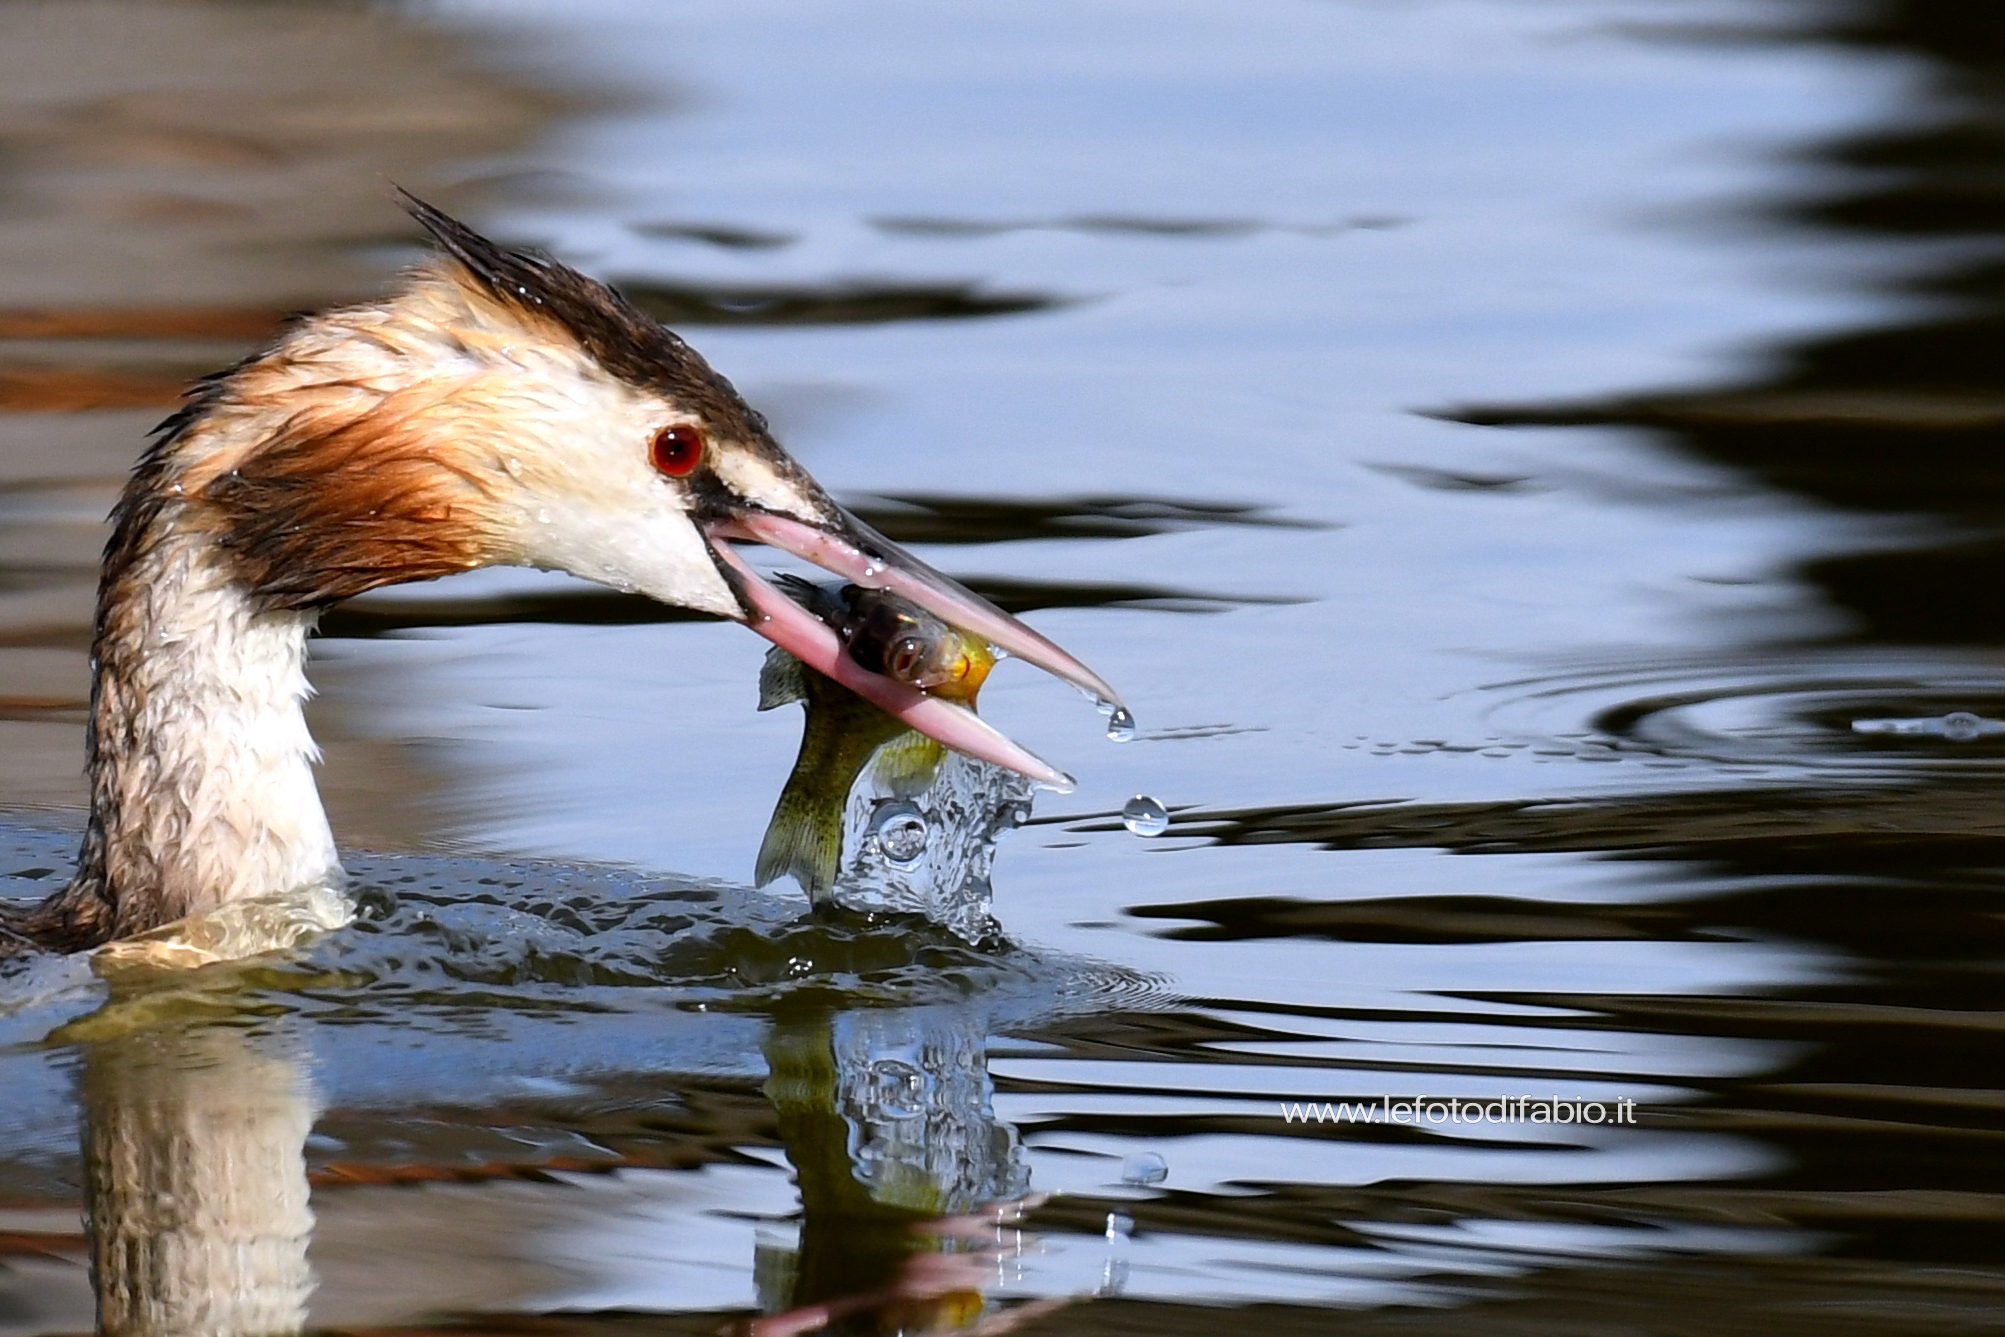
<point>199,760</point>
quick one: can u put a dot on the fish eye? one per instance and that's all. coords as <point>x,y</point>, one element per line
<point>907,659</point>
<point>676,451</point>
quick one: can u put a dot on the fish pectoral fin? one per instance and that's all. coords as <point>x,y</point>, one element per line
<point>907,765</point>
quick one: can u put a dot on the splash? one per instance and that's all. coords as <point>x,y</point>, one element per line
<point>928,852</point>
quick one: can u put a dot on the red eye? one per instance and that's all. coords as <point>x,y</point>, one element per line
<point>677,450</point>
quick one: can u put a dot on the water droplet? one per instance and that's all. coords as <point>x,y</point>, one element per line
<point>1144,816</point>
<point>900,832</point>
<point>1962,726</point>
<point>1144,1167</point>
<point>542,515</point>
<point>1121,725</point>
<point>1114,1275</point>
<point>513,465</point>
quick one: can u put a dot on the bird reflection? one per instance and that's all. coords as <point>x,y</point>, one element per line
<point>911,1188</point>
<point>195,1178</point>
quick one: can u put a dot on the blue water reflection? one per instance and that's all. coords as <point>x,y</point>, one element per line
<point>1499,762</point>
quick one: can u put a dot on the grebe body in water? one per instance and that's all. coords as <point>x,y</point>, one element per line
<point>497,408</point>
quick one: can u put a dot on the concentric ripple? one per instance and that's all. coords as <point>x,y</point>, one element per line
<point>1843,712</point>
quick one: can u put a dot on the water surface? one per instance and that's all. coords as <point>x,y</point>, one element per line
<point>1525,432</point>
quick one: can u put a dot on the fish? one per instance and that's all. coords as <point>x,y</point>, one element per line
<point>842,734</point>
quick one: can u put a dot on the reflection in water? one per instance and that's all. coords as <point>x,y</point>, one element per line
<point>196,1201</point>
<point>910,1188</point>
<point>717,234</point>
<point>930,517</point>
<point>1869,819</point>
<point>1120,225</point>
<point>887,1119</point>
<point>1901,419</point>
<point>682,304</point>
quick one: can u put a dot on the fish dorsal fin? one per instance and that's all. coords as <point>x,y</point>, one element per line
<point>780,680</point>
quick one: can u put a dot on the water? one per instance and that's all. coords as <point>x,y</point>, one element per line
<point>1144,1167</point>
<point>1144,816</point>
<point>900,832</point>
<point>1960,725</point>
<point>1538,431</point>
<point>1121,724</point>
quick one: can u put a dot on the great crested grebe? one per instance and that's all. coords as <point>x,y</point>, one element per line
<point>496,409</point>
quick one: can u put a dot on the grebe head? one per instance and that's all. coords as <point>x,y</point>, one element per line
<point>504,409</point>
<point>496,409</point>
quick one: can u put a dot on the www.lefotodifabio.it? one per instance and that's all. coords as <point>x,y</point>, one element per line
<point>1419,1111</point>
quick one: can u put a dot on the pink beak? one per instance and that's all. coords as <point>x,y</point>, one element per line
<point>861,555</point>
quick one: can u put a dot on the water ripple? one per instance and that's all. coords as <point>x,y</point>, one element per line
<point>1780,714</point>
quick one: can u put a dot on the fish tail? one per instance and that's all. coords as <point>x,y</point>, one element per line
<point>803,839</point>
